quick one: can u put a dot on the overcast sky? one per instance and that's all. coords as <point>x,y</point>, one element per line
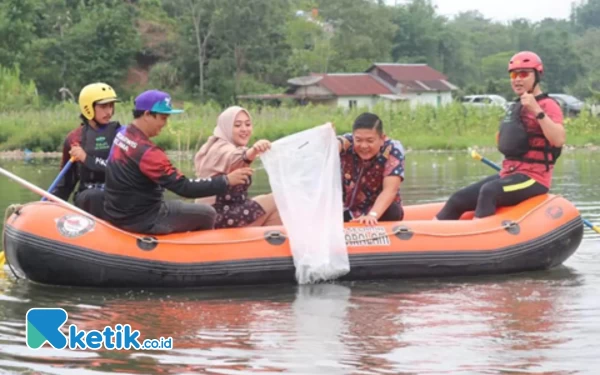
<point>504,10</point>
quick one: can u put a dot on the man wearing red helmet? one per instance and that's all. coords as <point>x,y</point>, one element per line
<point>531,137</point>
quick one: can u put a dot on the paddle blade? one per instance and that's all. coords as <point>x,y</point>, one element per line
<point>476,155</point>
<point>593,227</point>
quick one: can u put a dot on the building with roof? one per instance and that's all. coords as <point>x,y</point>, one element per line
<point>419,83</point>
<point>415,83</point>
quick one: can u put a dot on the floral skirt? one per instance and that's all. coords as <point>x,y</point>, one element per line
<point>237,214</point>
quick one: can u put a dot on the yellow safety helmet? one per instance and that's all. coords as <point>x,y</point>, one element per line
<point>95,93</point>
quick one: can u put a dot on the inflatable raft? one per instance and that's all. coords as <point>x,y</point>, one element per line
<point>47,243</point>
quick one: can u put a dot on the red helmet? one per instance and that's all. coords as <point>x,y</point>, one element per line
<point>526,60</point>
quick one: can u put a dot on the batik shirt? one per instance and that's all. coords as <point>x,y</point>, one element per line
<point>362,181</point>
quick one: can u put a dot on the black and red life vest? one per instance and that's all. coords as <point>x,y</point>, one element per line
<point>515,141</point>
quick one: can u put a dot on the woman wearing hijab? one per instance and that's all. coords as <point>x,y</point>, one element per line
<point>225,151</point>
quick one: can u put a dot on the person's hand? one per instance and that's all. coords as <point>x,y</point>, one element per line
<point>261,146</point>
<point>78,153</point>
<point>366,219</point>
<point>528,101</point>
<point>239,176</point>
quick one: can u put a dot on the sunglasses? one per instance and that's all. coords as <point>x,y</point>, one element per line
<point>521,74</point>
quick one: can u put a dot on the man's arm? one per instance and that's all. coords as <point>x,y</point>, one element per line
<point>156,165</point>
<point>551,124</point>
<point>391,184</point>
<point>345,142</point>
<point>67,183</point>
<point>393,177</point>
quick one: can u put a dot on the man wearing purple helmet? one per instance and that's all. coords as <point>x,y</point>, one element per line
<point>138,172</point>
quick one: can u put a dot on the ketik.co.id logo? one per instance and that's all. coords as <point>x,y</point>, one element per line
<point>44,324</point>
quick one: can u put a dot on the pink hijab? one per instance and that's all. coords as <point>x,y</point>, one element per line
<point>219,155</point>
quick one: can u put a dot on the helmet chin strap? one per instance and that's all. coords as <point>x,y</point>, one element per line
<point>536,82</point>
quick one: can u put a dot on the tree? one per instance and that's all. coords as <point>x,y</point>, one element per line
<point>310,46</point>
<point>418,34</point>
<point>484,37</point>
<point>201,15</point>
<point>250,38</point>
<point>100,48</point>
<point>220,48</point>
<point>17,30</point>
<point>521,33</point>
<point>562,63</point>
<point>589,52</point>
<point>587,15</point>
<point>362,33</point>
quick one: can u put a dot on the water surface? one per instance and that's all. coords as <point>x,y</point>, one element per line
<point>532,323</point>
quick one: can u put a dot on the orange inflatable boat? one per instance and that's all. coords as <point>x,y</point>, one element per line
<point>47,243</point>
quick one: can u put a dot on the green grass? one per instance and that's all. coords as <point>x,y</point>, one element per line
<point>451,127</point>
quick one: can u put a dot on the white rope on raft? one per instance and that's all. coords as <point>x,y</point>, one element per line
<point>147,239</point>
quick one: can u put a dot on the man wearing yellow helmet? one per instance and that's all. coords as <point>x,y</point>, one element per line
<point>89,145</point>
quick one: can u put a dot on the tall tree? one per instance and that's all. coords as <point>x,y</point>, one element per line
<point>418,36</point>
<point>555,46</point>
<point>17,29</point>
<point>100,47</point>
<point>587,15</point>
<point>521,33</point>
<point>198,18</point>
<point>250,37</point>
<point>310,45</point>
<point>588,47</point>
<point>362,33</point>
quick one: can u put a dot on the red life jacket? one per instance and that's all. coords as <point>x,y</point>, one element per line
<point>515,140</point>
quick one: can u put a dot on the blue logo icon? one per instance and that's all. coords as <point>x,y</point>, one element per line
<point>43,325</point>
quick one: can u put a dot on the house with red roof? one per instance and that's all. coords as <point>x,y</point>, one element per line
<point>418,83</point>
<point>415,83</point>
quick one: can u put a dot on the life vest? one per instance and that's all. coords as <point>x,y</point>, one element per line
<point>515,141</point>
<point>98,149</point>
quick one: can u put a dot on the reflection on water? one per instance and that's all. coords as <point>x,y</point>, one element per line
<point>533,323</point>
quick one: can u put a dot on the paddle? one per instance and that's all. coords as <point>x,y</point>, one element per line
<point>44,194</point>
<point>60,175</point>
<point>475,155</point>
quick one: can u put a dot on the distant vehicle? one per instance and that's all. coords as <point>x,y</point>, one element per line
<point>570,105</point>
<point>484,101</point>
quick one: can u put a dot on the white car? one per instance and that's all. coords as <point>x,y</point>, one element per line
<point>484,101</point>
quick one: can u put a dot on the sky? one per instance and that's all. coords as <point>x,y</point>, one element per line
<point>504,10</point>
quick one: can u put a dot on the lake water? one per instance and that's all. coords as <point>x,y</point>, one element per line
<point>532,323</point>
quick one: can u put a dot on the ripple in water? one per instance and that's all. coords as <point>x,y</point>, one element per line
<point>534,323</point>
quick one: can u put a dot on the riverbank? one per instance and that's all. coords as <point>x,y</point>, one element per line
<point>452,127</point>
<point>24,155</point>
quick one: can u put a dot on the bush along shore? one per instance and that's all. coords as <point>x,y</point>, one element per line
<point>36,133</point>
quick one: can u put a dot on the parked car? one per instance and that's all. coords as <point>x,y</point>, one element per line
<point>571,106</point>
<point>484,101</point>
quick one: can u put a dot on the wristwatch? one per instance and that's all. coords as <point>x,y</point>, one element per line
<point>373,213</point>
<point>540,115</point>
